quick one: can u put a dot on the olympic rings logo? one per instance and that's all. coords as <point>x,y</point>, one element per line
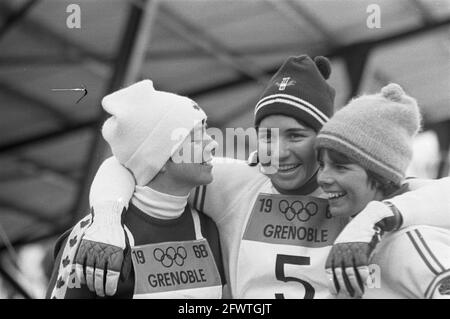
<point>298,209</point>
<point>170,256</point>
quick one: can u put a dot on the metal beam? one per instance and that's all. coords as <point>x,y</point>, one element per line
<point>333,53</point>
<point>159,55</point>
<point>10,278</point>
<point>425,13</point>
<point>33,214</point>
<point>15,16</point>
<point>201,39</point>
<point>295,12</point>
<point>37,166</point>
<point>27,99</point>
<point>130,56</point>
<point>442,130</point>
<point>40,60</point>
<point>398,36</point>
<point>31,238</point>
<point>49,135</point>
<point>27,168</point>
<point>245,50</point>
<point>444,164</point>
<point>355,63</point>
<point>238,81</point>
<point>382,78</point>
<point>50,36</point>
<point>235,113</point>
<point>14,176</point>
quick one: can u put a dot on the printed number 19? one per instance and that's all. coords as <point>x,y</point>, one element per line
<point>266,205</point>
<point>139,255</point>
<point>293,260</point>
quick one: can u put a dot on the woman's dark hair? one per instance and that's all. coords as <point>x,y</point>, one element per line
<point>296,119</point>
<point>386,186</point>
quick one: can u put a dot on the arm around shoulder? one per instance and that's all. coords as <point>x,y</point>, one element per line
<point>428,203</point>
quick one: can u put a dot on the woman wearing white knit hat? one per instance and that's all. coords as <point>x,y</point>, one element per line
<point>363,152</point>
<point>174,249</point>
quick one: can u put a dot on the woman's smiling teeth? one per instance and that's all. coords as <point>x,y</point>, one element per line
<point>334,195</point>
<point>287,167</point>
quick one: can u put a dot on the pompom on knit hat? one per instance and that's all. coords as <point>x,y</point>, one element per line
<point>143,125</point>
<point>299,89</point>
<point>376,131</point>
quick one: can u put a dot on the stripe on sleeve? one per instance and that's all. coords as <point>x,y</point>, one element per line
<point>429,293</point>
<point>433,256</point>
<point>421,253</point>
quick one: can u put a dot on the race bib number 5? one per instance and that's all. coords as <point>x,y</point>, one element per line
<point>293,260</point>
<point>287,240</point>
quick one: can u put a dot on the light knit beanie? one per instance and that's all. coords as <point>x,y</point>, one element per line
<point>299,89</point>
<point>376,131</point>
<point>147,127</point>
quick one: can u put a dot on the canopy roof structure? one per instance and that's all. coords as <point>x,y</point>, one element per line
<point>218,52</point>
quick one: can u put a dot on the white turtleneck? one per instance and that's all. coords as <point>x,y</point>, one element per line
<point>158,205</point>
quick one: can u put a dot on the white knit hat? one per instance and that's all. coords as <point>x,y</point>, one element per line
<point>141,129</point>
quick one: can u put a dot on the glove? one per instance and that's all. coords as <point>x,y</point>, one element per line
<point>100,256</point>
<point>347,265</point>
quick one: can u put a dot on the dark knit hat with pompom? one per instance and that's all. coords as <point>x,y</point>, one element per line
<point>299,89</point>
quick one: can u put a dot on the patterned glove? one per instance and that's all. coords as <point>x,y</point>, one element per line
<point>347,265</point>
<point>100,256</point>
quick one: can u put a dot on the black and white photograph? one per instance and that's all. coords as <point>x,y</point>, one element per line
<point>225,150</point>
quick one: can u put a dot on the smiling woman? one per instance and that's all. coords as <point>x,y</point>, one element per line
<point>295,158</point>
<point>347,184</point>
<point>357,166</point>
